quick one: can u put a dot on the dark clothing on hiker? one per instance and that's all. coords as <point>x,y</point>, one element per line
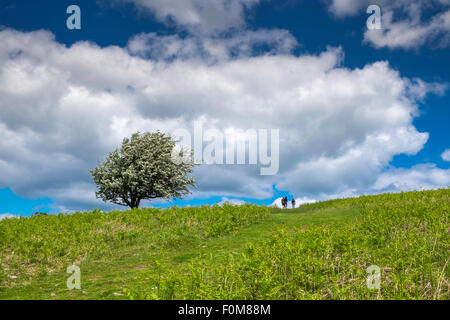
<point>284,202</point>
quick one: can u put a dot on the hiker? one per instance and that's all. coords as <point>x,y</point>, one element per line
<point>283,202</point>
<point>293,202</point>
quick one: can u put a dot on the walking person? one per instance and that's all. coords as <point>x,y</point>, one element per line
<point>293,202</point>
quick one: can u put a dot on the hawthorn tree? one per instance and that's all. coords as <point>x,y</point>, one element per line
<point>142,169</point>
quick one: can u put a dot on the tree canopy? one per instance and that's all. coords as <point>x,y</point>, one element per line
<point>143,168</point>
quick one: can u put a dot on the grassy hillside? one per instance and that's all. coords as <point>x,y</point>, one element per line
<point>318,251</point>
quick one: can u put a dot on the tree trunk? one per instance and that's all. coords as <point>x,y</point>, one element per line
<point>134,203</point>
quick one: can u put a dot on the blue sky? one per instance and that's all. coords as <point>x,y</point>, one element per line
<point>41,125</point>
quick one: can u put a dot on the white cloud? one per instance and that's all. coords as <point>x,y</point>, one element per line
<point>64,108</point>
<point>342,8</point>
<point>446,155</point>
<point>355,168</point>
<point>8,216</point>
<point>203,16</point>
<point>424,176</point>
<point>236,202</point>
<point>211,49</point>
<point>406,24</point>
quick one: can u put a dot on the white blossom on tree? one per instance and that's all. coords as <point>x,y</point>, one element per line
<point>143,169</point>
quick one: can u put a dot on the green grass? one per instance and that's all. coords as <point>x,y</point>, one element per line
<point>318,251</point>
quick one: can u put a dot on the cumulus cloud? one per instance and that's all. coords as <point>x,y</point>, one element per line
<point>8,216</point>
<point>355,168</point>
<point>204,16</point>
<point>406,24</point>
<point>236,202</point>
<point>64,108</point>
<point>211,49</point>
<point>423,176</point>
<point>446,155</point>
